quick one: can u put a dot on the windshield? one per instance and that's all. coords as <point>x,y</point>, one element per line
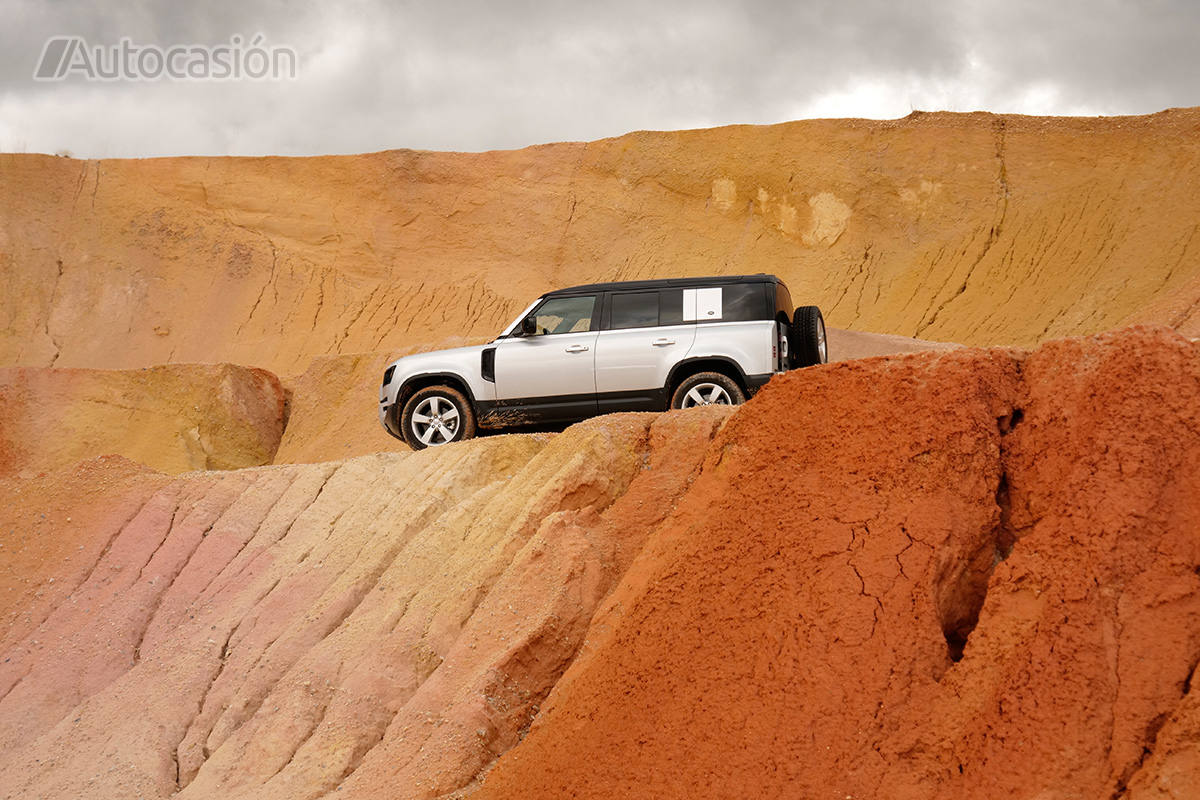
<point>515,325</point>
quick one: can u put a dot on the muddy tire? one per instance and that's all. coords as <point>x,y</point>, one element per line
<point>807,345</point>
<point>706,389</point>
<point>436,415</point>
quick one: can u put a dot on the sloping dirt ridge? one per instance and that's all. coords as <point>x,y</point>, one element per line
<point>953,573</point>
<point>975,228</point>
<point>393,620</point>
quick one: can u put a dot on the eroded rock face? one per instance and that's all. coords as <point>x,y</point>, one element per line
<point>971,228</point>
<point>965,574</point>
<point>383,625</point>
<point>172,418</point>
<point>1091,629</point>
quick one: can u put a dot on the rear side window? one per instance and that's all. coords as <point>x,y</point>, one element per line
<point>634,310</point>
<point>744,301</point>
<point>783,302</point>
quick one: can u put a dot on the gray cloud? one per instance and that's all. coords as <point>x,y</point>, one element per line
<point>479,75</point>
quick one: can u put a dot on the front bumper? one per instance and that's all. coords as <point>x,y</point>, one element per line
<point>388,420</point>
<point>386,401</point>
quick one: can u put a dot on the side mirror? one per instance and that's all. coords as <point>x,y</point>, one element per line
<point>529,326</point>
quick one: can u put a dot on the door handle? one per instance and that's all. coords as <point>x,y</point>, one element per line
<point>662,342</point>
<point>577,348</point>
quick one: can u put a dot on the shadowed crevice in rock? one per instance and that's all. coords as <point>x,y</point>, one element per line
<point>960,611</point>
<point>960,614</point>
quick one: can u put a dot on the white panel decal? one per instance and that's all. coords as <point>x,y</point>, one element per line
<point>708,303</point>
<point>700,304</point>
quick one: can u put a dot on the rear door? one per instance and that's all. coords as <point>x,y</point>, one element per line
<point>551,375</point>
<point>642,337</point>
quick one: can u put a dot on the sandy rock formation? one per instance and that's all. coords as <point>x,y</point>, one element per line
<point>973,228</point>
<point>381,626</point>
<point>334,409</point>
<point>172,418</point>
<point>65,520</point>
<point>963,574</point>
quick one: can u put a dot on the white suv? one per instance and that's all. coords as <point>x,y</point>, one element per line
<point>588,350</point>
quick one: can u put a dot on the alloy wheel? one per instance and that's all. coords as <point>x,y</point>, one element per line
<point>435,421</point>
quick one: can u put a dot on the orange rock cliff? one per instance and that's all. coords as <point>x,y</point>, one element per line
<point>977,228</point>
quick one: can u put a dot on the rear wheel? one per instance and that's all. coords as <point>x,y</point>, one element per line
<point>808,345</point>
<point>436,415</point>
<point>707,389</point>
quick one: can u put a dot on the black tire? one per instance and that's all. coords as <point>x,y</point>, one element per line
<point>707,388</point>
<point>421,428</point>
<point>807,344</point>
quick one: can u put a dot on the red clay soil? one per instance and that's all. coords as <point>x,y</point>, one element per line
<point>798,627</point>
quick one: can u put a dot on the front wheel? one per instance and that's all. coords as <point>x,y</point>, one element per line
<point>436,415</point>
<point>708,389</point>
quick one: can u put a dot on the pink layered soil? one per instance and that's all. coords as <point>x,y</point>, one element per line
<point>385,625</point>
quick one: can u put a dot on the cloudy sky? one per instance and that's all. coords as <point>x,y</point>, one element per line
<point>477,75</point>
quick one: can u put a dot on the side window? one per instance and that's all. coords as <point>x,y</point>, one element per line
<point>565,315</point>
<point>741,302</point>
<point>670,307</point>
<point>634,310</point>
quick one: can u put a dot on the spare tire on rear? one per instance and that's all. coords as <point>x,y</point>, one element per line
<point>806,344</point>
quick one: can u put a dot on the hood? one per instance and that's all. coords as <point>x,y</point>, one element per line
<point>435,359</point>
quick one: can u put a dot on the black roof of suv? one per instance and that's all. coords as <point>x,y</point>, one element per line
<point>665,283</point>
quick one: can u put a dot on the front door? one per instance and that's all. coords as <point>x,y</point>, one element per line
<point>550,375</point>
